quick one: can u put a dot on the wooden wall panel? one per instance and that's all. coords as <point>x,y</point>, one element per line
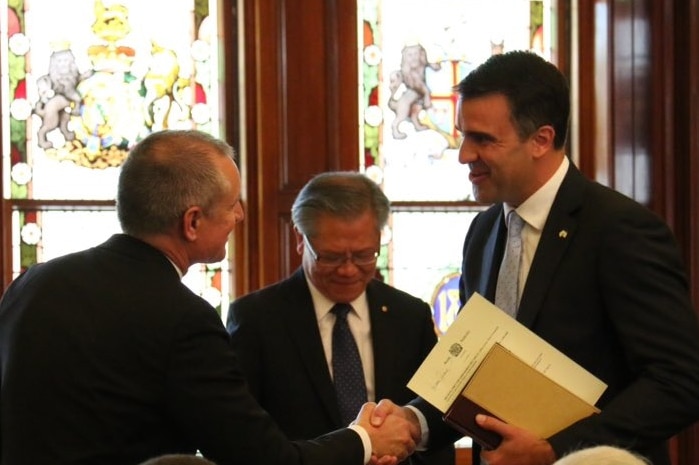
<point>639,120</point>
<point>301,112</point>
<point>679,166</point>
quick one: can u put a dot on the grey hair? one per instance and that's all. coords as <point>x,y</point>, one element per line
<point>344,194</point>
<point>602,455</point>
<point>165,174</point>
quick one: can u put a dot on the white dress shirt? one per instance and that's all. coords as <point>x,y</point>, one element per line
<point>360,326</point>
<point>534,211</point>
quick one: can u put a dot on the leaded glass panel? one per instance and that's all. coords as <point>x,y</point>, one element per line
<point>412,53</point>
<point>82,81</point>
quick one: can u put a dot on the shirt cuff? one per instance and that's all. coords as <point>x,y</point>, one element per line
<point>366,441</point>
<point>424,429</point>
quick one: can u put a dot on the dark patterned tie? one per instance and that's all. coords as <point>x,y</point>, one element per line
<point>507,290</point>
<point>348,375</point>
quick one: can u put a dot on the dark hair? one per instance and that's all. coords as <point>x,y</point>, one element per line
<point>345,194</point>
<point>166,173</point>
<point>536,90</point>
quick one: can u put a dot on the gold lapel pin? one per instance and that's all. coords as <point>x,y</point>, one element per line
<point>384,308</point>
<point>563,234</point>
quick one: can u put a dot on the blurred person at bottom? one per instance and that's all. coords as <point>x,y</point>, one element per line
<point>602,455</point>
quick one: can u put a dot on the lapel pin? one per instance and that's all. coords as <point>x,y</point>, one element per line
<point>384,308</point>
<point>563,234</point>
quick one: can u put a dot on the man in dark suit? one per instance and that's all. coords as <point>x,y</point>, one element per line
<point>106,357</point>
<point>283,333</point>
<point>600,276</point>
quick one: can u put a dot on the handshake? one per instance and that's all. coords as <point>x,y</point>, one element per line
<point>394,431</point>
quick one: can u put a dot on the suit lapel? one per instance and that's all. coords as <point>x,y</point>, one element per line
<point>492,256</point>
<point>486,246</point>
<point>303,329</point>
<point>559,230</point>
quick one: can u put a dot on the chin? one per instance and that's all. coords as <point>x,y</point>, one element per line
<point>483,197</point>
<point>345,295</point>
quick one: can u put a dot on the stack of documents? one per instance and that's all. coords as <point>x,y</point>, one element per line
<point>489,363</point>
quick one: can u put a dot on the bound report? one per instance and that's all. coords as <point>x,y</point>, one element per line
<point>489,363</point>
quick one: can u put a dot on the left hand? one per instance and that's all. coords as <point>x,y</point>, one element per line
<point>518,446</point>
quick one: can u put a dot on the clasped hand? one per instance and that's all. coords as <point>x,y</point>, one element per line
<point>518,447</point>
<point>394,431</point>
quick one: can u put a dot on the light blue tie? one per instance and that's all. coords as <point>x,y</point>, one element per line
<point>348,375</point>
<point>507,290</point>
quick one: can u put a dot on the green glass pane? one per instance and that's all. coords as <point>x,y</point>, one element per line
<point>80,96</point>
<point>81,81</point>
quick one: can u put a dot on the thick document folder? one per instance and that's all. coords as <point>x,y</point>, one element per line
<point>505,387</point>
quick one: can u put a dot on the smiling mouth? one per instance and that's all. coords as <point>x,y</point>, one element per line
<point>477,176</point>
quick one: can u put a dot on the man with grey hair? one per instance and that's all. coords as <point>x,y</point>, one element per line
<point>106,357</point>
<point>286,334</point>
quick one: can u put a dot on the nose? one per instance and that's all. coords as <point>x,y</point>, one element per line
<point>348,266</point>
<point>467,152</point>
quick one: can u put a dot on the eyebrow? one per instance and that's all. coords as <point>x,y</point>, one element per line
<point>479,135</point>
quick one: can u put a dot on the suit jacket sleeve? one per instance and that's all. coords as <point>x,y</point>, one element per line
<point>642,286</point>
<point>208,395</point>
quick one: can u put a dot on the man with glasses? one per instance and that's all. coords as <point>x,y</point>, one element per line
<point>287,334</point>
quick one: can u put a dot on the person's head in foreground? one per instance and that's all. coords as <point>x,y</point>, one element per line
<point>178,459</point>
<point>602,455</point>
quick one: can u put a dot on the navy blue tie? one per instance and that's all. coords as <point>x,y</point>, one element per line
<point>348,374</point>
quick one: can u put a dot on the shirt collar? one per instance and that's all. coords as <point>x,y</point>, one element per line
<point>177,268</point>
<point>536,208</point>
<point>323,305</point>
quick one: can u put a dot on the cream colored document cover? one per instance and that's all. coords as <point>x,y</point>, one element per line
<point>522,396</point>
<point>477,328</point>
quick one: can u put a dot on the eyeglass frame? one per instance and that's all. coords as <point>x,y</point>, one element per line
<point>336,263</point>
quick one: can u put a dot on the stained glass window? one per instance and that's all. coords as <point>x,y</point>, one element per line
<point>412,53</point>
<point>82,81</point>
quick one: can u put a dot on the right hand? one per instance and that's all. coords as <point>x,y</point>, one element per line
<point>385,408</point>
<point>393,436</point>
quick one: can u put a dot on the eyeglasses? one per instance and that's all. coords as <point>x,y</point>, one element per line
<point>364,258</point>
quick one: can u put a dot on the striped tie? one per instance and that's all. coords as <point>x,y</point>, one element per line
<point>507,290</point>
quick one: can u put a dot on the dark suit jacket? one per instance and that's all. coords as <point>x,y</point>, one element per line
<point>607,288</point>
<point>107,358</point>
<point>275,332</point>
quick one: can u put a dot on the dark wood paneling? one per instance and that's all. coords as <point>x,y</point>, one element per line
<point>692,243</point>
<point>587,113</point>
<point>463,456</point>
<point>680,186</point>
<point>301,113</point>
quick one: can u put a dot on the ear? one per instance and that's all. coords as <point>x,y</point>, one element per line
<point>191,222</point>
<point>542,140</point>
<point>299,241</point>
